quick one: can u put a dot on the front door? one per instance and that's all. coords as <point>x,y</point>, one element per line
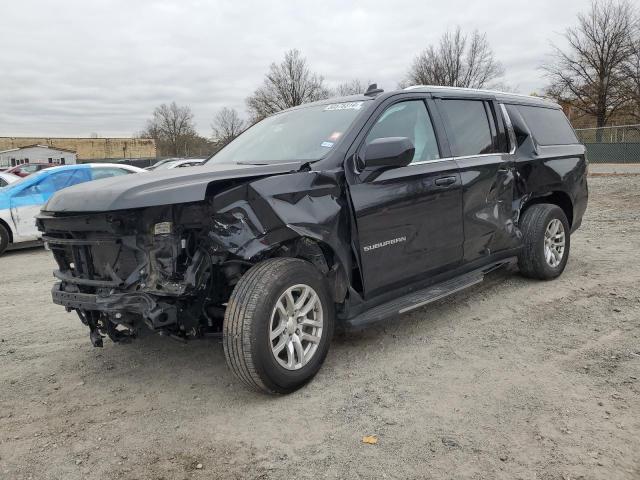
<point>409,219</point>
<point>25,205</point>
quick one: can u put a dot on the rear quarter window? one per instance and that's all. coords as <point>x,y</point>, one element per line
<point>549,126</point>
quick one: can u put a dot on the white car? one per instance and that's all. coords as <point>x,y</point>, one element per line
<point>176,163</point>
<point>21,200</point>
<point>7,178</point>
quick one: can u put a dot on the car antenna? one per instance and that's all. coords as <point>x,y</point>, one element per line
<point>373,90</point>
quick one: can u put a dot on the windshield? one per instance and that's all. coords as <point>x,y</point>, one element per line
<point>305,134</point>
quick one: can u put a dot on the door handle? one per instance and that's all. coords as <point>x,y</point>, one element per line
<point>445,181</point>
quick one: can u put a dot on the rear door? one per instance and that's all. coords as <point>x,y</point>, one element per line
<point>480,147</point>
<point>408,219</point>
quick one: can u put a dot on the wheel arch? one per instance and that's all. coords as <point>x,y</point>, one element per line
<point>321,255</point>
<point>8,227</point>
<point>557,197</point>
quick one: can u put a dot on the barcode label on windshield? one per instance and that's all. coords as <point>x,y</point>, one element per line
<point>344,106</point>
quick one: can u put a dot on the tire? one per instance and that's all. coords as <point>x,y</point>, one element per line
<point>252,316</point>
<point>540,257</point>
<point>4,239</point>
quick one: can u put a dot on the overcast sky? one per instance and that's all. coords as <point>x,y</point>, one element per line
<point>70,68</point>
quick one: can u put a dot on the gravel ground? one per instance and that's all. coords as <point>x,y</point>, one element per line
<point>614,168</point>
<point>514,379</point>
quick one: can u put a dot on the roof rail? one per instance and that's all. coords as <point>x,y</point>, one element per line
<point>464,89</point>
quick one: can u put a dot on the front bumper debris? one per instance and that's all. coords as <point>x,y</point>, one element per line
<point>155,313</point>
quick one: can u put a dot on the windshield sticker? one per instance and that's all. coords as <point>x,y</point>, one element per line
<point>344,106</point>
<point>326,144</point>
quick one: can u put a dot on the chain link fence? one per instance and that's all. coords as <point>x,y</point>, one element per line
<point>611,144</point>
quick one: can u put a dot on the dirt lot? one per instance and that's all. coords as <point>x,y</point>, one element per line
<point>513,379</point>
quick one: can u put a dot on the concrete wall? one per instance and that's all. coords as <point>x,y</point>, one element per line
<point>36,155</point>
<point>90,149</point>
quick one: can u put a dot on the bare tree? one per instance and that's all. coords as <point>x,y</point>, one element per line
<point>589,72</point>
<point>631,74</point>
<point>287,84</point>
<point>350,87</point>
<point>226,126</point>
<point>457,61</point>
<point>173,129</point>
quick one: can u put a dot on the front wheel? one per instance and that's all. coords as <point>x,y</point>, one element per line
<point>278,325</point>
<point>547,239</point>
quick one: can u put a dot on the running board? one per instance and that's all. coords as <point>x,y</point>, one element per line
<point>421,298</point>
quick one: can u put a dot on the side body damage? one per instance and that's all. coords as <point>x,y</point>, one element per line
<point>173,267</point>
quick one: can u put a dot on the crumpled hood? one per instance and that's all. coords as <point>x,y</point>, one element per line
<point>150,189</point>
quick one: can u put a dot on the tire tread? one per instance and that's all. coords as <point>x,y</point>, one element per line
<point>533,223</point>
<point>242,305</point>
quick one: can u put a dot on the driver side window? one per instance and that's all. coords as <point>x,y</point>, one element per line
<point>408,119</point>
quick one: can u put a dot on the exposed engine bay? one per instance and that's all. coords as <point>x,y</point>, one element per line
<point>168,268</point>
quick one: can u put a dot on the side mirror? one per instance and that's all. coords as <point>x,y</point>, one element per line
<point>389,152</point>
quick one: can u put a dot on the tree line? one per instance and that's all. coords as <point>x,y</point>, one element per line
<point>596,72</point>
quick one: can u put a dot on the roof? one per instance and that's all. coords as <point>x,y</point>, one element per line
<point>38,146</point>
<point>443,91</point>
<point>500,96</point>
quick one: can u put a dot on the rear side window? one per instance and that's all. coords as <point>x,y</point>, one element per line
<point>470,127</point>
<point>549,126</point>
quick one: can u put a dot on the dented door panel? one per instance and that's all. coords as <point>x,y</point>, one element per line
<point>488,216</point>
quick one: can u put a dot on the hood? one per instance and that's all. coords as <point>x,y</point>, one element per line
<point>165,187</point>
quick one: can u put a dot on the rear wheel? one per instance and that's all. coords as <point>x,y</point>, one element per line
<point>547,239</point>
<point>4,239</point>
<point>278,325</point>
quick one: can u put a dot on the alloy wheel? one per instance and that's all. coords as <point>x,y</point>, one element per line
<point>296,326</point>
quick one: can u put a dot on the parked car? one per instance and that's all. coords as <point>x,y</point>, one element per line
<point>7,178</point>
<point>21,201</point>
<point>27,169</point>
<point>162,162</point>
<point>345,211</point>
<point>177,163</point>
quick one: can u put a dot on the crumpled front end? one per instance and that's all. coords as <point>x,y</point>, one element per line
<point>172,268</point>
<point>122,269</point>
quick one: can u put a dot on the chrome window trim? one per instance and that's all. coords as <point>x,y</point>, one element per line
<point>463,157</point>
<point>510,131</point>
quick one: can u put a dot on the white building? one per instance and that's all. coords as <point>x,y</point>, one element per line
<point>36,154</point>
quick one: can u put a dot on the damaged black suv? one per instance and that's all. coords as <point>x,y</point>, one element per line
<point>341,212</point>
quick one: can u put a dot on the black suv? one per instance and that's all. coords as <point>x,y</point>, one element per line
<point>340,212</point>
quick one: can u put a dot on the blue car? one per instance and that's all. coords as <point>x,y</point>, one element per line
<point>21,201</point>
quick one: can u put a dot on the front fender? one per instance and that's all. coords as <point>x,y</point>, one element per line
<point>257,217</point>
